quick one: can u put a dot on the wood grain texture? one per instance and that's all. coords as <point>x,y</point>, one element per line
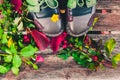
<point>111,20</point>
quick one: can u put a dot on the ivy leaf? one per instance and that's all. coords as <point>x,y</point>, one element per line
<point>15,70</point>
<point>3,69</point>
<point>109,46</point>
<point>115,59</point>
<point>17,61</point>
<point>8,58</point>
<point>28,51</point>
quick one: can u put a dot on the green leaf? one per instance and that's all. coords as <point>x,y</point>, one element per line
<point>115,59</point>
<point>76,45</point>
<point>89,59</point>
<point>31,25</point>
<point>80,43</point>
<point>76,40</point>
<point>20,44</point>
<point>75,55</point>
<point>8,67</point>
<point>4,39</point>
<point>17,61</point>
<point>71,40</point>
<point>13,49</point>
<point>82,63</point>
<point>64,56</point>
<point>35,66</point>
<point>82,57</point>
<point>92,52</point>
<point>8,58</point>
<point>28,51</point>
<point>15,70</point>
<point>31,63</point>
<point>1,32</point>
<point>92,66</point>
<point>8,51</point>
<point>3,69</point>
<point>109,46</point>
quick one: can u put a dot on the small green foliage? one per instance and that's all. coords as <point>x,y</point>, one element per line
<point>16,61</point>
<point>90,55</point>
<point>64,54</point>
<point>3,69</point>
<point>1,32</point>
<point>86,53</point>
<point>13,49</point>
<point>92,51</point>
<point>15,70</point>
<point>28,51</point>
<point>109,46</point>
<point>8,58</point>
<point>4,39</point>
<point>12,26</point>
<point>115,59</point>
<point>35,66</point>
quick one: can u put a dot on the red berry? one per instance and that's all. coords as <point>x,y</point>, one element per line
<point>65,42</point>
<point>26,38</point>
<point>70,45</point>
<point>86,39</point>
<point>95,58</point>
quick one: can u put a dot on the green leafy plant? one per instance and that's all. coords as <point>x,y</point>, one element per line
<point>15,52</point>
<point>89,53</point>
<point>114,58</point>
<point>18,47</point>
<point>12,59</point>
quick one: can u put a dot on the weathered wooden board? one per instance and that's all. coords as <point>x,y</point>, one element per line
<point>109,21</point>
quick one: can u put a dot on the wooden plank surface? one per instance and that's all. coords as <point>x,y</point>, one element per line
<point>109,21</point>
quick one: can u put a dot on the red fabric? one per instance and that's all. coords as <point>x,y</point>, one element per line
<point>56,41</point>
<point>40,39</point>
<point>17,5</point>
